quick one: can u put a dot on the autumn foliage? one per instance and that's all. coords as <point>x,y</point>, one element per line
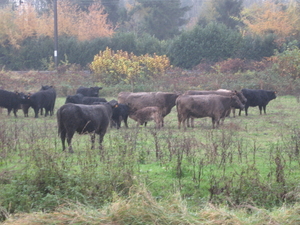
<point>268,17</point>
<point>111,67</point>
<point>25,21</point>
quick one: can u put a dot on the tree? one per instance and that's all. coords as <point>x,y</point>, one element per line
<point>212,43</point>
<point>268,18</point>
<point>227,12</point>
<point>112,8</point>
<point>160,18</point>
<point>25,21</point>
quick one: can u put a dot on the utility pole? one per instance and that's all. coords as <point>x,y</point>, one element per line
<point>55,33</point>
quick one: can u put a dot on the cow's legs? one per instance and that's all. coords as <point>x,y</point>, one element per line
<point>125,122</point>
<point>93,140</point>
<point>36,112</point>
<point>70,135</point>
<point>233,112</point>
<point>246,110</point>
<point>192,122</point>
<point>260,109</point>
<point>8,111</point>
<point>15,112</point>
<point>264,107</point>
<point>63,138</point>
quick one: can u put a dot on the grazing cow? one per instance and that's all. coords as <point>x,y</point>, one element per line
<point>259,98</point>
<point>43,99</point>
<point>142,116</point>
<point>120,113</point>
<point>76,99</point>
<point>199,106</point>
<point>83,119</point>
<point>90,92</point>
<point>223,92</point>
<point>91,100</point>
<point>81,99</point>
<point>242,98</point>
<point>11,101</point>
<point>165,101</point>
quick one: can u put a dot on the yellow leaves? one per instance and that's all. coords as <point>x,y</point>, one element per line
<point>112,67</point>
<point>24,22</point>
<point>268,17</point>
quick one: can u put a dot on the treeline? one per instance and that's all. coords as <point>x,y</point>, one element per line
<point>224,29</point>
<point>214,43</point>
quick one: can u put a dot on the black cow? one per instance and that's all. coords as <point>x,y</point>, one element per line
<point>26,104</point>
<point>83,119</point>
<point>11,100</point>
<point>91,100</point>
<point>258,98</point>
<point>76,99</point>
<point>81,99</point>
<point>90,92</point>
<point>43,99</point>
<point>120,113</point>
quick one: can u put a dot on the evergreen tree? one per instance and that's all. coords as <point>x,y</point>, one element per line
<point>112,9</point>
<point>163,18</point>
<point>227,12</point>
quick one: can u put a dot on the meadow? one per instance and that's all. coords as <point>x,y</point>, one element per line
<point>249,163</point>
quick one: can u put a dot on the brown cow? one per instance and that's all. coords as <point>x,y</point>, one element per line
<point>199,106</point>
<point>165,101</point>
<point>142,116</point>
<point>223,92</point>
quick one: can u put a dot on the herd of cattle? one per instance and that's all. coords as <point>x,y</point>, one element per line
<point>86,112</point>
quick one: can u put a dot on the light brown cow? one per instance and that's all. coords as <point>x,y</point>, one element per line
<point>199,106</point>
<point>144,115</point>
<point>223,92</point>
<point>165,101</point>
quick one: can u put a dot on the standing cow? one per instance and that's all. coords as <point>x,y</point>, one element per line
<point>11,101</point>
<point>144,115</point>
<point>26,104</point>
<point>81,99</point>
<point>43,99</point>
<point>83,119</point>
<point>259,98</point>
<point>120,113</point>
<point>165,101</point>
<point>223,92</point>
<point>199,106</point>
<point>90,92</point>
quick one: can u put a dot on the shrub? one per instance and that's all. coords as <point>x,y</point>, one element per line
<point>257,47</point>
<point>213,42</point>
<point>287,63</point>
<point>111,67</point>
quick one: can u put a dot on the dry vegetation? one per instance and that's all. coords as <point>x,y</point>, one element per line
<point>243,173</point>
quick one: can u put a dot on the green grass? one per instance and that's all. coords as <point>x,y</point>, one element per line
<point>249,160</point>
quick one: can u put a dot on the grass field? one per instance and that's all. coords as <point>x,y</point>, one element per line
<point>251,160</point>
